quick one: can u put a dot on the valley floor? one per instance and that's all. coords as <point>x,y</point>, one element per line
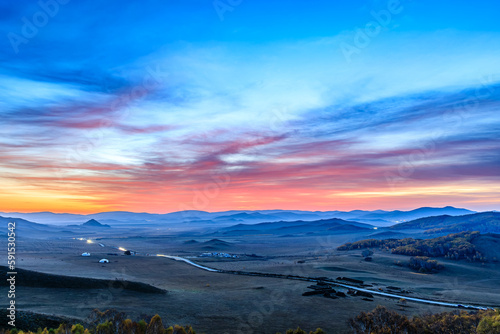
<point>214,301</point>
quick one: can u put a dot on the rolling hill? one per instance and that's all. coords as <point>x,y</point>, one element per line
<point>400,216</point>
<point>94,224</point>
<point>26,228</point>
<point>484,222</point>
<point>376,217</point>
<point>322,226</point>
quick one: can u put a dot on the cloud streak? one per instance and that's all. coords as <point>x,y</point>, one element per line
<point>162,114</point>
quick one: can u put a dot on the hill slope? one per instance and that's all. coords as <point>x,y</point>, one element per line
<point>485,222</point>
<point>330,226</point>
<point>26,228</point>
<point>397,216</point>
<point>94,224</point>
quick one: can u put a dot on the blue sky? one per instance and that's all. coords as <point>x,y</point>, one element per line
<point>140,106</point>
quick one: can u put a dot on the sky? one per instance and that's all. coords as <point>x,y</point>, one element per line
<point>161,106</point>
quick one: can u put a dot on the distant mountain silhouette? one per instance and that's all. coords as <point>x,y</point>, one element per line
<point>94,224</point>
<point>400,216</point>
<point>24,224</point>
<point>249,216</point>
<point>376,217</point>
<point>484,222</point>
<point>25,228</point>
<point>322,226</point>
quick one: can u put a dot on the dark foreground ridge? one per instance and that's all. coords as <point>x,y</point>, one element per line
<point>379,321</point>
<point>30,321</point>
<point>42,280</point>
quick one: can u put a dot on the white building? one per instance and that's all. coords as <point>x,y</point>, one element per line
<point>103,261</point>
<point>86,254</point>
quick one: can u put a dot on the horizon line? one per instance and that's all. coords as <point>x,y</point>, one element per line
<point>253,210</point>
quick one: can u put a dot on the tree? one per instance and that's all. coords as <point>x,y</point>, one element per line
<point>63,329</point>
<point>380,320</point>
<point>105,328</point>
<point>77,329</point>
<point>126,327</point>
<point>141,327</point>
<point>190,330</point>
<point>179,330</point>
<point>155,326</point>
<point>318,331</point>
<point>489,324</point>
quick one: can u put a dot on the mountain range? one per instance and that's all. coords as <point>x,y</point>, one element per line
<point>242,224</point>
<point>485,222</point>
<point>377,217</point>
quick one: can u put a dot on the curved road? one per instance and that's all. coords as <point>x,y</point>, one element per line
<point>178,258</point>
<point>373,292</point>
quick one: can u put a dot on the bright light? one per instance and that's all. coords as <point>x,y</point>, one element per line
<point>375,228</point>
<point>122,249</point>
<point>89,241</point>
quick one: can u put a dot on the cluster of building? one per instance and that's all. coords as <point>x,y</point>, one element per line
<point>216,254</point>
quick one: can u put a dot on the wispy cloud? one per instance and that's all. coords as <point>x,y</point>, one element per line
<point>143,112</point>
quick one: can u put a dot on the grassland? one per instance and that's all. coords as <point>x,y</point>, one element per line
<point>210,301</point>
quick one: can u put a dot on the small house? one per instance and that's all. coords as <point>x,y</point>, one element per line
<point>86,254</point>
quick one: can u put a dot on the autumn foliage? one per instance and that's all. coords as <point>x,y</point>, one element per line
<point>384,321</point>
<point>111,322</point>
<point>379,321</point>
<point>453,246</point>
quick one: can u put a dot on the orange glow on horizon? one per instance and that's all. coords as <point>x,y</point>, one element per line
<point>477,197</point>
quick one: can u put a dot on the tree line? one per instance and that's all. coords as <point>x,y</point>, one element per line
<point>384,321</point>
<point>114,322</point>
<point>379,321</point>
<point>453,246</point>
